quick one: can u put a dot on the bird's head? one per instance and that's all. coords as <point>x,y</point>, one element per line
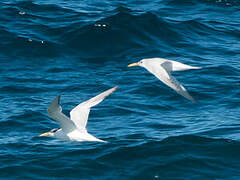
<point>50,133</point>
<point>139,63</point>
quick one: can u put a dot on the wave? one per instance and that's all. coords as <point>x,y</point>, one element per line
<point>68,32</point>
<point>221,3</point>
<point>181,156</point>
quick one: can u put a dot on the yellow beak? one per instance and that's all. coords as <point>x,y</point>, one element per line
<point>133,64</point>
<point>45,134</point>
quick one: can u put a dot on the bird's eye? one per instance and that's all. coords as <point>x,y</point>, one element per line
<point>55,130</point>
<point>141,62</point>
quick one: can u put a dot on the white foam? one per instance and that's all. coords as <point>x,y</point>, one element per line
<point>22,13</point>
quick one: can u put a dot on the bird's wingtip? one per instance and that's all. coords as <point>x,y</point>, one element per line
<point>56,100</point>
<point>194,101</point>
<point>58,97</point>
<point>54,104</point>
<point>115,87</point>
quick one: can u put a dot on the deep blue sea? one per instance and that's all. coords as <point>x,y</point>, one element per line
<point>78,49</point>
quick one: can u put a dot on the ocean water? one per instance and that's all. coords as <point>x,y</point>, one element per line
<point>78,49</point>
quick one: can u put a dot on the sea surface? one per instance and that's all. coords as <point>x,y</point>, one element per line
<point>78,49</point>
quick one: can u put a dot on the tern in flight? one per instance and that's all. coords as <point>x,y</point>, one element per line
<point>74,128</point>
<point>162,68</point>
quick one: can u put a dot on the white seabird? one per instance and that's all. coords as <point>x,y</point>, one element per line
<point>74,128</point>
<point>162,69</point>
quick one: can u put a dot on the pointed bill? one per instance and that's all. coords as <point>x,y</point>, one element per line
<point>45,134</point>
<point>133,64</point>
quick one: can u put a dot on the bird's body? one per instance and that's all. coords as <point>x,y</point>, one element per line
<point>74,128</point>
<point>162,68</point>
<point>76,135</point>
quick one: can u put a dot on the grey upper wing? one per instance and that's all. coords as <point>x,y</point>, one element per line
<point>165,76</point>
<point>55,112</point>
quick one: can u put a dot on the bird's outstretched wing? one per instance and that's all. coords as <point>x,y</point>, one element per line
<point>79,114</point>
<point>165,76</point>
<point>55,112</point>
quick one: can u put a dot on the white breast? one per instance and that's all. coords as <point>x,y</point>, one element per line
<point>76,135</point>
